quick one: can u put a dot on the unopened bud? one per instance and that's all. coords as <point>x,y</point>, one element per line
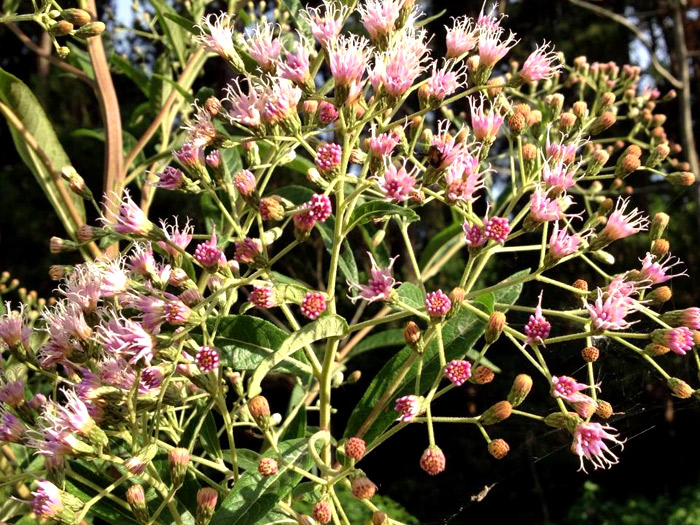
<point>580,109</point>
<point>496,413</point>
<point>498,448</point>
<point>411,333</point>
<point>655,349</point>
<point>178,459</point>
<point>58,272</point>
<point>267,467</point>
<point>590,354</point>
<point>529,152</point>
<point>658,225</point>
<point>61,28</point>
<point>658,154</point>
<point>77,17</point>
<point>580,284</point>
<point>680,388</point>
<point>136,498</point>
<point>520,389</point>
<point>559,420</point>
<point>379,518</point>
<point>259,409</point>
<point>660,247</point>
<point>354,377</point>
<point>681,178</point>
<point>363,488</point>
<point>58,245</point>
<point>660,295</point>
<point>605,121</point>
<point>604,410</point>
<point>206,504</point>
<point>517,123</point>
<point>482,375</point>
<point>90,30</point>
<point>628,164</point>
<point>271,208</point>
<point>567,121</point>
<point>213,106</point>
<point>494,327</point>
<point>607,99</point>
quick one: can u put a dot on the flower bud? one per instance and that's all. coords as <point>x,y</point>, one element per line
<point>628,164</point>
<point>260,410</point>
<point>590,354</point>
<point>90,30</point>
<point>607,99</point>
<point>559,420</point>
<point>656,349</point>
<point>520,389</point>
<point>598,160</point>
<point>580,284</point>
<point>178,459</point>
<point>482,375</point>
<point>206,504</point>
<point>136,498</point>
<point>457,297</point>
<point>494,327</point>
<point>496,413</point>
<point>58,272</point>
<point>567,121</point>
<point>660,247</point>
<point>411,333</point>
<point>498,448</point>
<point>355,448</point>
<point>363,488</point>
<point>605,121</point>
<point>658,155</point>
<point>77,17</point>
<point>604,410</point>
<point>354,377</point>
<point>681,178</point>
<point>660,295</point>
<point>267,467</point>
<point>379,518</point>
<point>517,123</point>
<point>433,460</point>
<point>658,225</point>
<point>271,208</point>
<point>322,512</point>
<point>580,109</point>
<point>61,28</point>
<point>680,388</point>
<point>58,245</point>
<point>529,152</point>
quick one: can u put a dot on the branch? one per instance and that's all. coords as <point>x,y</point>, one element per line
<point>660,69</point>
<point>52,59</point>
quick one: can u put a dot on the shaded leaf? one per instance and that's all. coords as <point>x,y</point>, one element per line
<point>370,211</point>
<point>393,337</point>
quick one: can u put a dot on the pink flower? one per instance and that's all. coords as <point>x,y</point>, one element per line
<point>246,108</point>
<point>263,297</point>
<point>213,159</point>
<point>12,328</point>
<point>248,250</point>
<point>408,408</point>
<point>433,460</point>
<point>589,443</point>
<point>73,414</point>
<point>379,285</point>
<point>437,303</point>
<point>537,328</point>
<point>244,181</point>
<point>396,69</point>
<point>608,313</point>
<point>448,147</point>
<point>567,388</point>
<point>313,305</point>
<point>156,311</point>
<point>326,21</point>
<point>200,131</point>
<point>171,179</point>
<point>485,124</point>
<point>348,56</point>
<point>190,156</point>
<point>320,207</point>
<point>130,219</point>
<point>124,337</point>
<point>491,48</point>
<point>11,428</point>
<point>542,64</point>
<point>114,279</point>
<point>473,235</point>
<point>383,145</point>
<point>497,229</point>
<point>327,112</point>
<point>180,238</point>
<point>689,317</point>
<point>565,153</point>
<point>280,101</point>
<point>83,286</point>
<point>47,502</point>
<point>141,260</point>
<point>558,177</point>
<point>461,37</point>
<point>396,183</point>
<point>656,271</point>
<point>209,256</point>
<point>263,46</point>
<point>463,179</point>
<point>207,359</point>
<point>458,371</point>
<point>445,82</point>
<point>328,157</point>
<point>621,225</point>
<point>545,209</point>
<point>379,17</point>
<point>561,243</point>
<point>219,37</point>
<point>296,64</point>
<point>488,21</point>
<point>12,393</point>
<point>679,340</point>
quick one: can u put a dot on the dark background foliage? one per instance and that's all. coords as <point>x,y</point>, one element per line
<point>538,482</point>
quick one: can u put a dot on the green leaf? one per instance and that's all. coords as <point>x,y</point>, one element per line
<point>459,335</point>
<point>346,261</point>
<point>439,244</point>
<point>209,438</point>
<point>189,98</point>
<point>370,211</point>
<point>393,337</point>
<point>136,75</point>
<point>187,24</point>
<point>254,496</point>
<point>325,327</point>
<point>245,342</point>
<point>174,33</point>
<point>410,294</point>
<point>297,427</point>
<point>22,102</point>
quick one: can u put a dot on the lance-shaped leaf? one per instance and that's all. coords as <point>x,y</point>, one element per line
<point>369,211</point>
<point>253,497</point>
<point>322,328</point>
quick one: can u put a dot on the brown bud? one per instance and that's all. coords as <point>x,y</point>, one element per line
<point>655,349</point>
<point>529,152</point>
<point>580,284</point>
<point>58,272</point>
<point>523,109</point>
<point>660,295</point>
<point>498,448</point>
<point>658,120</point>
<point>682,178</point>
<point>457,296</point>
<point>496,413</point>
<point>271,208</point>
<point>61,28</point>
<point>58,245</point>
<point>517,123</point>
<point>630,164</point>
<point>260,410</point>
<point>604,410</point>
<point>77,17</point>
<point>607,99</point>
<point>411,333</point>
<point>605,121</point>
<point>520,389</point>
<point>658,225</point>
<point>534,118</point>
<point>363,488</point>
<point>379,518</point>
<point>660,247</point>
<point>580,109</point>
<point>494,328</point>
<point>493,92</point>
<point>567,121</point>
<point>590,354</point>
<point>680,388</point>
<point>90,30</point>
<point>633,150</point>
<point>482,375</point>
<point>213,106</point>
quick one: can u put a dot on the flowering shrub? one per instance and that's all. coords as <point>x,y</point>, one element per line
<point>127,395</point>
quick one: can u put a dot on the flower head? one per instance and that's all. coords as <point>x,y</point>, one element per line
<point>207,359</point>
<point>180,238</point>
<point>433,460</point>
<point>621,224</point>
<point>396,69</point>
<point>590,443</point>
<point>313,305</point>
<point>485,124</point>
<point>537,328</point>
<point>608,313</point>
<point>218,36</point>
<point>567,388</point>
<point>263,46</point>
<point>437,303</point>
<point>492,48</point>
<point>463,179</point>
<point>326,21</point>
<point>473,235</point>
<point>295,66</point>
<point>497,229</point>
<point>379,17</point>
<point>246,107</point>
<point>280,101</point>
<point>542,64</point>
<point>461,37</point>
<point>171,179</point>
<point>47,502</point>
<point>680,339</point>
<point>657,270</point>
<point>383,145</point>
<point>248,250</point>
<point>201,131</point>
<point>190,156</point>
<point>445,82</point>
<point>408,408</point>
<point>558,176</point>
<point>545,209</point>
<point>561,243</point>
<point>458,371</point>
<point>12,327</point>
<point>209,255</point>
<point>124,337</point>
<point>348,57</point>
<point>11,428</point>
<point>397,184</point>
<point>379,285</point>
<point>263,297</point>
<point>328,157</point>
<point>129,219</point>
